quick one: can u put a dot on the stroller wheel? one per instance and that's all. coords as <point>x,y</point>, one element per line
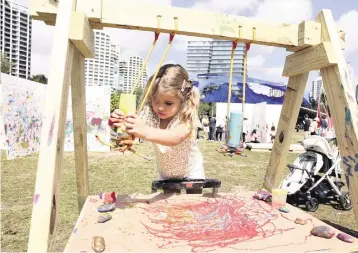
<point>312,204</point>
<point>345,201</point>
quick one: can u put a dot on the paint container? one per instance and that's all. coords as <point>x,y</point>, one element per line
<point>279,197</point>
<point>235,129</point>
<point>127,104</point>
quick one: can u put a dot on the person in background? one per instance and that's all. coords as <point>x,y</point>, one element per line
<point>273,133</point>
<point>219,130</point>
<point>205,123</point>
<point>199,127</point>
<point>324,125</point>
<point>212,124</point>
<point>306,126</point>
<point>254,137</point>
<point>314,126</point>
<point>245,130</point>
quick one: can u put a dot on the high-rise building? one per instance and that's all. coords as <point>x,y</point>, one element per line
<point>101,70</point>
<point>115,53</point>
<point>130,66</point>
<point>317,88</point>
<point>213,57</point>
<point>15,37</point>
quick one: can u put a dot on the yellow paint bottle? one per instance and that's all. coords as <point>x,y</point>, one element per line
<point>127,104</point>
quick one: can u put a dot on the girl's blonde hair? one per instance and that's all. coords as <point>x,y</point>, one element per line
<point>174,78</point>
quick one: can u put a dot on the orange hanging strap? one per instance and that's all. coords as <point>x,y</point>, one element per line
<point>156,36</point>
<point>171,37</point>
<point>247,48</point>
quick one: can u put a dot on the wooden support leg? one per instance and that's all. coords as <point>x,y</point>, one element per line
<point>342,105</point>
<point>44,220</point>
<point>288,118</point>
<point>78,92</point>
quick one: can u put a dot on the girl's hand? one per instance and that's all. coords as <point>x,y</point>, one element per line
<point>116,118</point>
<point>136,126</point>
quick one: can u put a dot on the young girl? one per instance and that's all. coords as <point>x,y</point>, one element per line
<point>169,120</point>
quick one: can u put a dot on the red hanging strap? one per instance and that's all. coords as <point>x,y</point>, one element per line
<point>234,44</point>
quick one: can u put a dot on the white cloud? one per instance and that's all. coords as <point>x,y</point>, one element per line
<point>255,61</point>
<point>285,11</point>
<point>226,6</point>
<point>273,74</point>
<point>139,41</point>
<point>42,36</point>
<point>348,22</point>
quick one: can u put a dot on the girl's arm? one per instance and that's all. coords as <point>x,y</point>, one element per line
<point>167,137</point>
<point>137,126</point>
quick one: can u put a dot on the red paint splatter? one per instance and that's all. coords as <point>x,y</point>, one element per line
<point>36,198</point>
<point>96,121</point>
<point>92,200</point>
<point>50,133</point>
<point>212,224</point>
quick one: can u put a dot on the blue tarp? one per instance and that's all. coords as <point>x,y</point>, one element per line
<point>215,89</point>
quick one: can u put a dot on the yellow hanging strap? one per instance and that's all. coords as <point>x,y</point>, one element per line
<point>158,68</point>
<point>156,36</point>
<point>244,81</point>
<point>247,48</point>
<point>234,44</point>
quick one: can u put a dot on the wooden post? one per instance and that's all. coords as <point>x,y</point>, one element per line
<point>81,35</point>
<point>78,93</point>
<point>291,106</point>
<point>342,105</point>
<point>44,220</point>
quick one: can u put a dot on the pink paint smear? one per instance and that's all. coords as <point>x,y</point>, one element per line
<point>217,223</point>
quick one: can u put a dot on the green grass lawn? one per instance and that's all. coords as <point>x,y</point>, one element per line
<point>125,175</point>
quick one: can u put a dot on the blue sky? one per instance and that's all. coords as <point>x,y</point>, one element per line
<point>263,62</point>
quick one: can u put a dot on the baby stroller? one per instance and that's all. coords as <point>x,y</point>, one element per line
<point>315,175</point>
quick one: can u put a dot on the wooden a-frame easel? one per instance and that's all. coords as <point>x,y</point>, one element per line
<point>317,45</point>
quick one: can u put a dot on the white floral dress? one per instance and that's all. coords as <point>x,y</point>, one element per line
<point>181,161</point>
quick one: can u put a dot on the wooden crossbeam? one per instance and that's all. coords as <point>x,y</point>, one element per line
<point>127,15</point>
<point>309,33</point>
<point>309,59</point>
<point>81,34</point>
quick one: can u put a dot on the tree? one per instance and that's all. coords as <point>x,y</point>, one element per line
<point>324,99</point>
<point>204,108</point>
<point>39,78</point>
<point>5,63</point>
<point>139,93</point>
<point>313,103</point>
<point>212,109</point>
<point>115,96</point>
